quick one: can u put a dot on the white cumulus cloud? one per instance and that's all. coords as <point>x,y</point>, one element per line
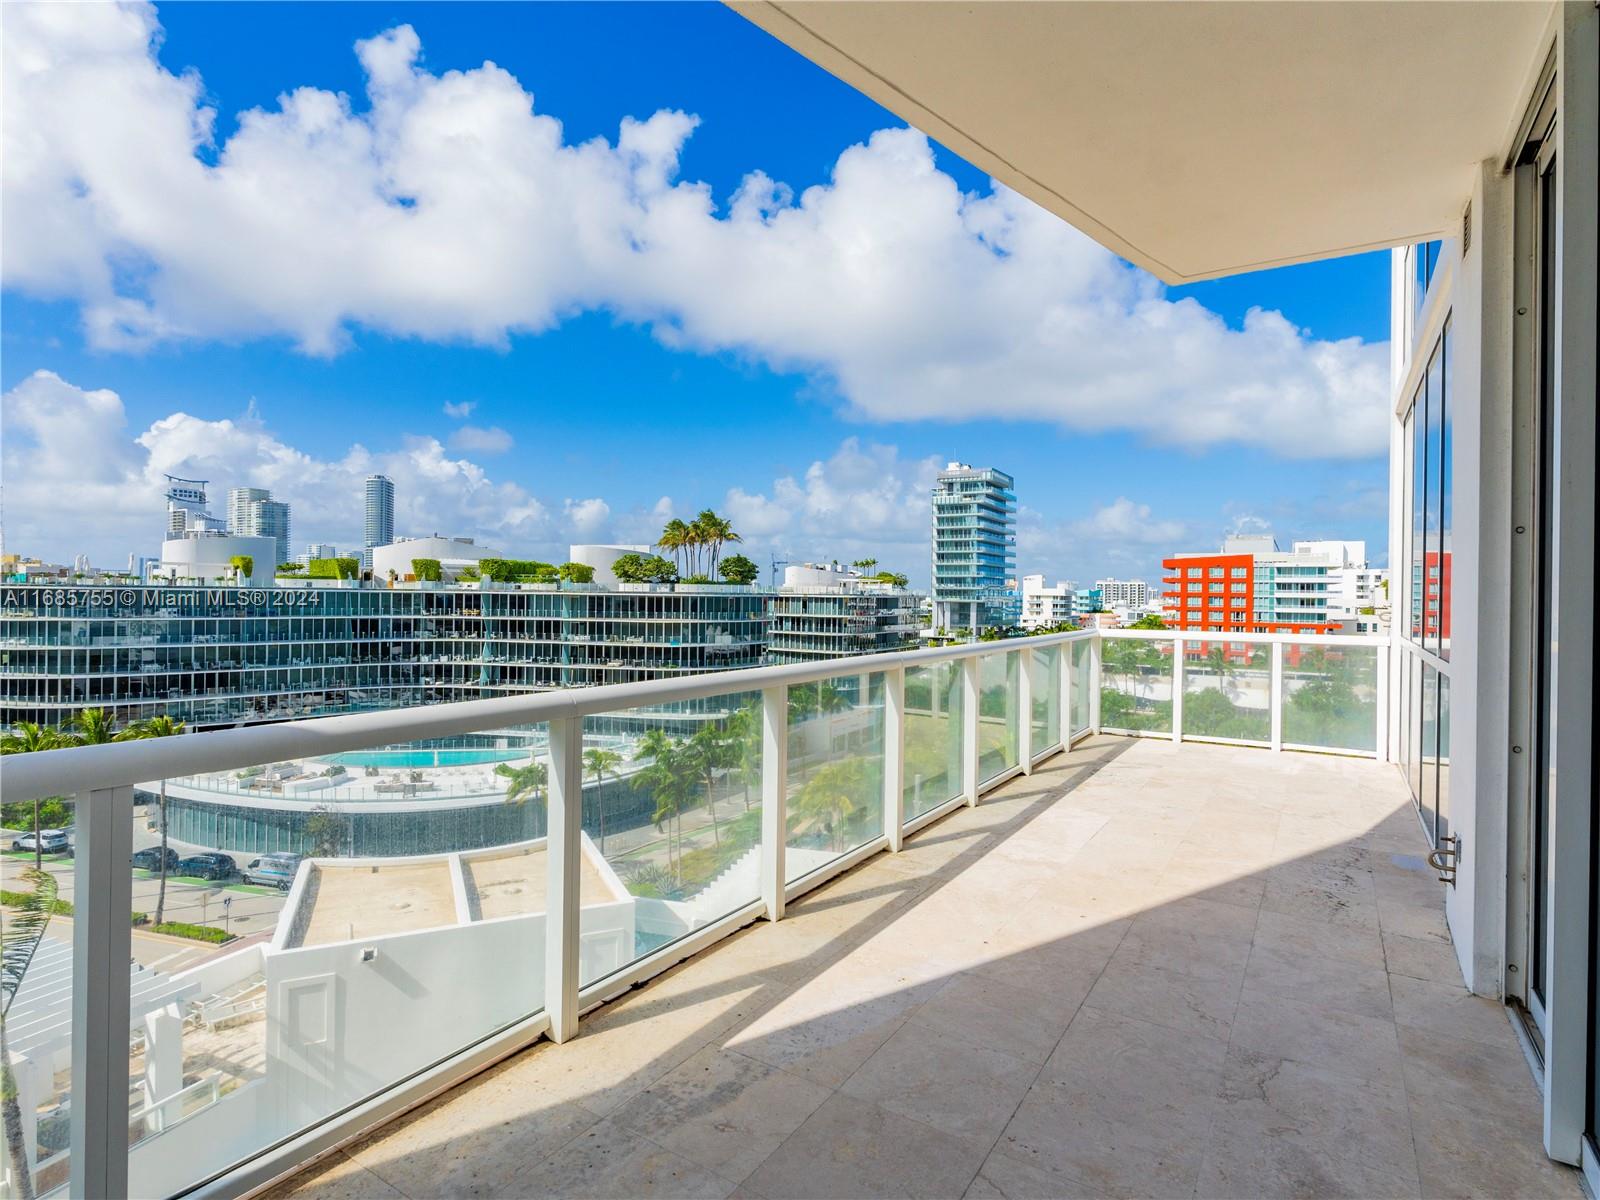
<point>479,439</point>
<point>459,409</point>
<point>443,205</point>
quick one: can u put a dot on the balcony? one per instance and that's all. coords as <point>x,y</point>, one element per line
<point>1144,970</point>
<point>918,927</point>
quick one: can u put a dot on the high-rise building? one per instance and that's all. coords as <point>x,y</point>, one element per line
<point>1251,586</point>
<point>186,498</point>
<point>974,549</point>
<point>317,550</point>
<point>380,516</point>
<point>270,518</point>
<point>252,512</point>
<point>1124,593</point>
<point>239,501</point>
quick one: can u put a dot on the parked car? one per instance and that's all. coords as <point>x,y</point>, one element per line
<point>271,870</point>
<point>208,865</point>
<point>150,859</point>
<point>50,841</point>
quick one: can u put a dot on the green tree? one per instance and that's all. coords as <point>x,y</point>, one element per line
<point>334,568</point>
<point>600,763</point>
<point>1151,621</point>
<point>26,737</point>
<point>670,776</point>
<point>91,727</point>
<point>676,540</point>
<point>428,570</point>
<point>644,568</point>
<point>709,751</point>
<point>293,568</point>
<point>325,832</point>
<point>244,566</point>
<point>864,565</point>
<point>25,929</point>
<point>524,782</point>
<point>831,799</point>
<point>575,572</point>
<point>736,568</point>
<point>157,727</point>
<point>744,728</point>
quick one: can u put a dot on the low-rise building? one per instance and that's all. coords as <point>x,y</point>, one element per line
<point>453,554</point>
<point>824,610</point>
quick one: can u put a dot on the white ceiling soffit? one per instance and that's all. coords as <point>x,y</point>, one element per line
<point>1196,139</point>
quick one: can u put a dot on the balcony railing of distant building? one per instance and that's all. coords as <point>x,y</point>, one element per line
<point>359,1008</point>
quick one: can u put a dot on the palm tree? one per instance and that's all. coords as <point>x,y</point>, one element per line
<point>25,738</point>
<point>598,763</point>
<point>156,727</point>
<point>25,928</point>
<point>92,727</point>
<point>830,798</point>
<point>675,538</point>
<point>744,729</point>
<point>708,750</point>
<point>525,781</point>
<point>668,779</point>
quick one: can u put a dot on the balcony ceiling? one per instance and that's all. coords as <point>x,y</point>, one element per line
<point>1198,140</point>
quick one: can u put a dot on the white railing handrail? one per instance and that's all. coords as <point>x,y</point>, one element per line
<point>67,772</point>
<point>1265,639</point>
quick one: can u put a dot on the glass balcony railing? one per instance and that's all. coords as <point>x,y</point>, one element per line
<point>398,897</point>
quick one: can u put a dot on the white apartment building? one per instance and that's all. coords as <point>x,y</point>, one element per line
<point>1132,594</point>
<point>1043,606</point>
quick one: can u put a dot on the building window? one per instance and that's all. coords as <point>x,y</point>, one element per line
<point>1216,572</point>
<point>1195,572</point>
<point>1241,572</point>
<point>1239,587</point>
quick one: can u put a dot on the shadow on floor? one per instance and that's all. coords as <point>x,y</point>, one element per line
<point>1145,970</point>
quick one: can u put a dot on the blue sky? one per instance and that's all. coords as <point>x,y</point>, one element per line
<point>598,391</point>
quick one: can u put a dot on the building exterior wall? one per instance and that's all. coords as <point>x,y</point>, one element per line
<point>805,625</point>
<point>974,548</point>
<point>213,656</point>
<point>378,526</point>
<point>209,558</point>
<point>453,554</point>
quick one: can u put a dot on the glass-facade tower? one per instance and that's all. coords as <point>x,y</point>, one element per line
<point>380,515</point>
<point>974,549</point>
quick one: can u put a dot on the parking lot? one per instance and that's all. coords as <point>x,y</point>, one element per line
<point>239,908</point>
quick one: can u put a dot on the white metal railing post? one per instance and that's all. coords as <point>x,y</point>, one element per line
<point>894,755</point>
<point>1095,662</point>
<point>102,947</point>
<point>1275,696</point>
<point>1177,689</point>
<point>774,796</point>
<point>1381,742</point>
<point>563,867</point>
<point>969,729</point>
<point>1025,746</point>
<point>1064,705</point>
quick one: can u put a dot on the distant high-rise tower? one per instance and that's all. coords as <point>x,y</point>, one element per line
<point>239,501</point>
<point>270,518</point>
<point>974,549</point>
<point>185,498</point>
<point>380,515</point>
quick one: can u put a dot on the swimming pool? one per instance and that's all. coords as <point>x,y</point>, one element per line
<point>424,758</point>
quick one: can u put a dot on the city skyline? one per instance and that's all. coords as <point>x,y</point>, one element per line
<point>583,414</point>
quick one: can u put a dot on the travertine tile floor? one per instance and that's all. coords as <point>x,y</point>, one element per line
<point>1148,970</point>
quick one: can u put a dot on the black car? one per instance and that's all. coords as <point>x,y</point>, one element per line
<point>209,865</point>
<point>150,858</point>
